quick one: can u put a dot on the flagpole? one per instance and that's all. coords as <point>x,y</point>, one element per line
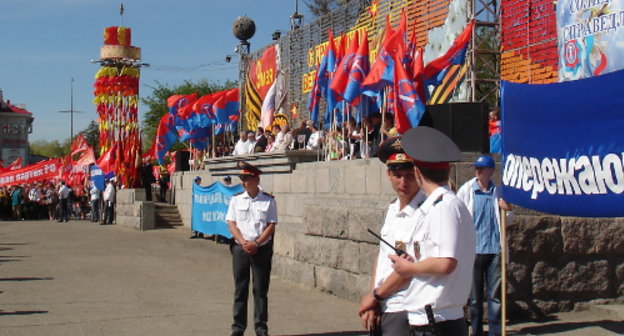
<point>503,261</point>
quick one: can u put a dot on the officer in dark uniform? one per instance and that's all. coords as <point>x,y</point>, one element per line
<point>251,218</point>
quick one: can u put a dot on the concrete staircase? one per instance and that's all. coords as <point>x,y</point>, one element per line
<point>282,162</point>
<point>167,216</point>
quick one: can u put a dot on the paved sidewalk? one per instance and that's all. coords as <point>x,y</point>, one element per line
<point>80,278</point>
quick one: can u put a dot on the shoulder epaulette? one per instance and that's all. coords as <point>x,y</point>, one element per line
<point>270,195</point>
<point>393,200</point>
<point>240,193</point>
<point>438,200</point>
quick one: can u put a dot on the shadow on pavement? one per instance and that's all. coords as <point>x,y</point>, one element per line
<point>25,279</point>
<point>339,333</point>
<point>22,312</point>
<point>613,326</point>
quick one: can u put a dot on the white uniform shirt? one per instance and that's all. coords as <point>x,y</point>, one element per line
<point>109,193</point>
<point>95,193</point>
<point>398,227</point>
<point>252,214</point>
<point>63,192</point>
<point>444,229</point>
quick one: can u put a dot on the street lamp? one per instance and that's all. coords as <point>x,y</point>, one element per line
<point>71,112</point>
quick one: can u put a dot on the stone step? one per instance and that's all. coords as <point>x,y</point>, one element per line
<point>612,311</point>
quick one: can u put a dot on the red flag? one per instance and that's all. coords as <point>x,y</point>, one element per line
<point>150,154</point>
<point>107,161</point>
<point>17,164</point>
<point>175,102</point>
<point>408,107</point>
<point>382,71</point>
<point>341,77</point>
<point>87,158</point>
<point>454,55</point>
<point>79,145</point>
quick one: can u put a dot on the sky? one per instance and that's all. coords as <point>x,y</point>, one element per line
<point>46,43</point>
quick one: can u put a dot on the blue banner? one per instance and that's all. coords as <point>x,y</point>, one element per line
<point>97,176</point>
<point>210,204</point>
<point>563,148</point>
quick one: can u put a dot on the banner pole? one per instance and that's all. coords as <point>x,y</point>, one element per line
<point>503,243</point>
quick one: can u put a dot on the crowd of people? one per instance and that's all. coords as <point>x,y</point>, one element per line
<point>349,140</point>
<point>47,200</point>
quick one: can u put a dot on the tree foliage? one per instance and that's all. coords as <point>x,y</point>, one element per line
<point>157,102</point>
<point>52,149</point>
<point>92,135</point>
<point>319,8</point>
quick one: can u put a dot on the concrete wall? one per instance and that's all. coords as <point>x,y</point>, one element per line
<point>321,240</point>
<point>133,211</point>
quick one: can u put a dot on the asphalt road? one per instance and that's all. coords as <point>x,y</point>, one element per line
<point>80,278</point>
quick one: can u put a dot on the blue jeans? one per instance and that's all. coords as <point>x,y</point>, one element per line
<point>486,273</point>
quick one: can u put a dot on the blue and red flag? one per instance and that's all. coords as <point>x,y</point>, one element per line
<point>175,102</point>
<point>166,136</point>
<point>360,68</point>
<point>341,76</point>
<point>382,71</point>
<point>434,71</point>
<point>227,105</point>
<point>408,107</point>
<point>332,62</point>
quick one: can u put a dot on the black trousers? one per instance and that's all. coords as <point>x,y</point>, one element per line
<point>109,212</point>
<point>260,266</point>
<point>64,210</point>
<point>457,327</point>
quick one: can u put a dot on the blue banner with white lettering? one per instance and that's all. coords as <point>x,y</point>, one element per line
<point>97,176</point>
<point>210,204</point>
<point>563,146</point>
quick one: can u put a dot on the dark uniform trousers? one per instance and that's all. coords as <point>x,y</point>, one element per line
<point>260,264</point>
<point>395,324</point>
<point>457,327</point>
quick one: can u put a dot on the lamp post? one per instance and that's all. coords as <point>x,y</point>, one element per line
<point>71,111</point>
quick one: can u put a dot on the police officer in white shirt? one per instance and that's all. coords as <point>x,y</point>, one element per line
<point>64,201</point>
<point>251,218</point>
<point>440,270</point>
<point>397,230</point>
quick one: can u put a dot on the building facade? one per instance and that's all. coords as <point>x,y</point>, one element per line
<point>15,125</point>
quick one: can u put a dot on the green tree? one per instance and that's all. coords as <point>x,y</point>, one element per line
<point>52,149</point>
<point>157,102</point>
<point>92,135</point>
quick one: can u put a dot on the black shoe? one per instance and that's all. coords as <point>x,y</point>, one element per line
<point>194,237</point>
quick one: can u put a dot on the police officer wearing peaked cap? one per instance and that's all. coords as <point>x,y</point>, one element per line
<point>440,272</point>
<point>251,218</point>
<point>387,289</point>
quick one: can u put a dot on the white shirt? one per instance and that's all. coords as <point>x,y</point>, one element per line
<point>251,146</point>
<point>240,148</point>
<point>279,138</point>
<point>313,142</point>
<point>252,214</point>
<point>399,228</point>
<point>466,194</point>
<point>63,192</point>
<point>444,229</point>
<point>95,193</point>
<point>34,195</point>
<point>109,193</point>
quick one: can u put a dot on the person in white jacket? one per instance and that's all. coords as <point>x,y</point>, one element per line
<point>109,201</point>
<point>482,198</point>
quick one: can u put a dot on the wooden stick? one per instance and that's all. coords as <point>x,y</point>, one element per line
<point>503,243</point>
